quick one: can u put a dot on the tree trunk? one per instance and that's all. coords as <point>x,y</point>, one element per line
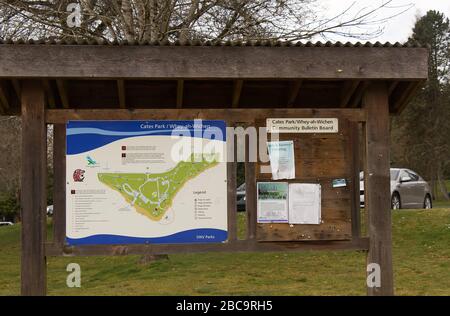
<point>187,22</point>
<point>433,183</point>
<point>441,184</point>
<point>127,13</point>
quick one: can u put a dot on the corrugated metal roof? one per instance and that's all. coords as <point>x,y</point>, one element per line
<point>210,43</point>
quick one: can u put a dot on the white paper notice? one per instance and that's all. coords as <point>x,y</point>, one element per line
<point>282,161</point>
<point>304,203</point>
<point>272,202</point>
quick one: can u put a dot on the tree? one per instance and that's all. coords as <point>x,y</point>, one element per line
<point>182,20</point>
<point>421,136</point>
<point>215,20</point>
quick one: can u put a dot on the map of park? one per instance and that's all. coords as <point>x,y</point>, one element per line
<point>152,194</point>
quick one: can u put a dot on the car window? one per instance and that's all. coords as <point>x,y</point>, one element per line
<point>394,174</point>
<point>404,174</point>
<point>413,176</point>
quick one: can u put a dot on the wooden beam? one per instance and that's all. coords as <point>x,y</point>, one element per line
<point>377,178</point>
<point>59,185</point>
<point>61,116</point>
<point>212,62</point>
<point>4,98</point>
<point>410,92</point>
<point>236,246</point>
<point>364,160</point>
<point>9,102</point>
<point>62,90</point>
<point>358,95</point>
<point>49,94</point>
<point>250,194</point>
<point>16,87</point>
<point>293,93</point>
<point>231,187</point>
<point>354,155</point>
<point>121,93</point>
<point>180,93</point>
<point>348,91</point>
<point>237,89</point>
<point>33,191</point>
<point>392,87</point>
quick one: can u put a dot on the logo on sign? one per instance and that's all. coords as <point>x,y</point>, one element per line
<point>78,175</point>
<point>91,161</point>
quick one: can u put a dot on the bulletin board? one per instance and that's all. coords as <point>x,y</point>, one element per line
<point>320,158</point>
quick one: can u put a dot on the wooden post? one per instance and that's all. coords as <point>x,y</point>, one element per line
<point>59,183</point>
<point>354,185</point>
<point>377,178</point>
<point>250,192</point>
<point>231,187</point>
<point>33,194</point>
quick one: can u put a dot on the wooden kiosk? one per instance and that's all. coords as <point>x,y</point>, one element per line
<point>241,83</point>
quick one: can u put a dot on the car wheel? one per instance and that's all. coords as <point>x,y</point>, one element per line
<point>427,203</point>
<point>395,202</point>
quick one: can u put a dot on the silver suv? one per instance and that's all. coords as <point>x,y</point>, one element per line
<point>408,190</point>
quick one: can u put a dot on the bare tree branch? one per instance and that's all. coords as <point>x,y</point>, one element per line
<point>216,20</point>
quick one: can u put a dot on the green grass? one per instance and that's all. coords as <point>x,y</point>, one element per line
<point>421,241</point>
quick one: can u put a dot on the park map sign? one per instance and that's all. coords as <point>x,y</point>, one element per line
<point>146,182</point>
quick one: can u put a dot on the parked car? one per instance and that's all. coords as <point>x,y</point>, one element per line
<point>6,224</point>
<point>408,190</point>
<point>50,210</point>
<point>240,197</point>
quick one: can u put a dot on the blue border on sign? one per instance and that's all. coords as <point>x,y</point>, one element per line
<point>202,235</point>
<point>83,136</point>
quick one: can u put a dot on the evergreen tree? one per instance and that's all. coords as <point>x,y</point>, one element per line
<point>421,135</point>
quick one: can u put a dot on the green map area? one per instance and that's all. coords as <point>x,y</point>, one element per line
<point>152,194</point>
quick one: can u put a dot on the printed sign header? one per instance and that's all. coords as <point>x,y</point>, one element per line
<point>302,125</point>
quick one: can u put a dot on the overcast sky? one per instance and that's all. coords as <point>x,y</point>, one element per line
<point>399,28</point>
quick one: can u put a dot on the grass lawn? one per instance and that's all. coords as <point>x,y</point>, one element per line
<point>421,264</point>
